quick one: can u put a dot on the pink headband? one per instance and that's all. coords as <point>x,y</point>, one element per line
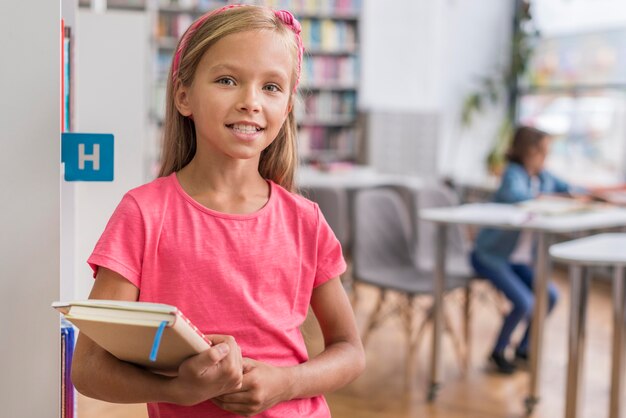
<point>286,17</point>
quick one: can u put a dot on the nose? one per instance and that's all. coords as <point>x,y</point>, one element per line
<point>249,100</point>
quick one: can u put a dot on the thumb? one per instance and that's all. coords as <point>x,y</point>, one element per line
<point>221,350</point>
<point>215,354</point>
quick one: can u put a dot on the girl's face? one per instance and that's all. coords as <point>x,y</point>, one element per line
<point>536,157</point>
<point>240,95</point>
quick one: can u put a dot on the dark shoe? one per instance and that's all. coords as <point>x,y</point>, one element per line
<point>502,364</point>
<point>521,355</point>
<point>521,359</point>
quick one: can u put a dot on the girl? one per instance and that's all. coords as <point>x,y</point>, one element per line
<point>523,179</point>
<point>221,235</point>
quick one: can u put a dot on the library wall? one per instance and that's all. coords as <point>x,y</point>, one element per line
<point>29,243</point>
<point>471,52</point>
<point>401,55</point>
<point>420,59</point>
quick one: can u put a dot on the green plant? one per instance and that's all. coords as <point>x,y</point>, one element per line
<point>503,85</point>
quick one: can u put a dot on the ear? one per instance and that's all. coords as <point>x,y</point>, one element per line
<point>290,105</point>
<point>181,100</point>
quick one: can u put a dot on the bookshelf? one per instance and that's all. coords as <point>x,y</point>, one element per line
<point>329,129</point>
<point>329,126</point>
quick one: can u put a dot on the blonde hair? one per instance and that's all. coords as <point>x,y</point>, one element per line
<point>279,160</point>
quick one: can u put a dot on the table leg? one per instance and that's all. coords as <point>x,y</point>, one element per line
<point>619,331</point>
<point>439,285</point>
<point>579,288</point>
<point>540,289</point>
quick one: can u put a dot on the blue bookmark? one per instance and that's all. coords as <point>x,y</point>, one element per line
<point>157,341</point>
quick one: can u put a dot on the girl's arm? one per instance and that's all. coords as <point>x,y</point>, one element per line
<point>98,374</point>
<point>343,358</point>
<point>514,186</point>
<point>341,361</point>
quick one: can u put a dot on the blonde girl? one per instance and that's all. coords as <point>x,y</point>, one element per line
<point>221,235</point>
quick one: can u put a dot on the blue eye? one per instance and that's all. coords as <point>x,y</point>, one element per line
<point>227,81</point>
<point>272,87</point>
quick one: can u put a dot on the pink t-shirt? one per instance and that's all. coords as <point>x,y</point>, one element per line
<point>250,276</point>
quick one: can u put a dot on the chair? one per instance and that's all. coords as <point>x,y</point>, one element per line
<point>383,257</point>
<point>457,253</point>
<point>334,205</point>
<point>333,202</point>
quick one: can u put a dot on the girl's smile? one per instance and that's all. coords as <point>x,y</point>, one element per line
<point>245,131</point>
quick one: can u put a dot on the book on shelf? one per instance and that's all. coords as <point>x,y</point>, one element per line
<point>154,335</point>
<point>66,77</point>
<point>67,388</point>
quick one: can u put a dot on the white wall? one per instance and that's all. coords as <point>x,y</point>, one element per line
<point>29,213</point>
<point>401,42</point>
<point>113,75</point>
<point>425,56</point>
<point>477,44</point>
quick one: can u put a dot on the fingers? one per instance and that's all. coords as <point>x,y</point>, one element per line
<point>248,364</point>
<point>208,358</point>
<point>217,352</point>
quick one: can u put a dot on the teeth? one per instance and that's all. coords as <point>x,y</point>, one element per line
<point>246,129</point>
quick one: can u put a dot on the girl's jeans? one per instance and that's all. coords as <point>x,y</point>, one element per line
<point>515,281</point>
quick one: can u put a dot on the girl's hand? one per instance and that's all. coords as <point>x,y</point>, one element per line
<point>263,387</point>
<point>211,373</point>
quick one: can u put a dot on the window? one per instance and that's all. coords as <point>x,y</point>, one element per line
<point>575,89</point>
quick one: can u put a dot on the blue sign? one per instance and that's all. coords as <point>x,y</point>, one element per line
<point>87,157</point>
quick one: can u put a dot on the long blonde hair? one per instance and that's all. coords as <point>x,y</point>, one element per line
<point>279,160</point>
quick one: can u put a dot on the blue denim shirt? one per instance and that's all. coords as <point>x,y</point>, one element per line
<point>515,186</point>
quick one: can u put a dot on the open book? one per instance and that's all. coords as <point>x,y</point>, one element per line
<point>555,205</point>
<point>153,335</point>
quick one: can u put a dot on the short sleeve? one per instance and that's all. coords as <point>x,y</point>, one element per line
<point>330,261</point>
<point>121,246</point>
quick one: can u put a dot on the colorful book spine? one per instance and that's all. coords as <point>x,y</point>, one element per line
<point>67,69</point>
<point>67,388</point>
<point>62,73</point>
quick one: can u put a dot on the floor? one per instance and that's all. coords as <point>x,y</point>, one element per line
<point>385,391</point>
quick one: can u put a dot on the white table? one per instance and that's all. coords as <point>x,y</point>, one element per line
<point>598,250</point>
<point>509,217</point>
<point>352,178</point>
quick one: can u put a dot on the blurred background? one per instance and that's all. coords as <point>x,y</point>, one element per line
<point>419,90</point>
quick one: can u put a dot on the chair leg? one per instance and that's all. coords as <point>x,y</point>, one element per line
<point>428,318</point>
<point>408,316</point>
<point>353,295</point>
<point>456,342</point>
<point>467,325</point>
<point>373,321</point>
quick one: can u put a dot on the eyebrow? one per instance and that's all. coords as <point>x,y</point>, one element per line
<point>234,68</point>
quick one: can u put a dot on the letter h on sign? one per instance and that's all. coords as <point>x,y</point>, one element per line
<point>87,157</point>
